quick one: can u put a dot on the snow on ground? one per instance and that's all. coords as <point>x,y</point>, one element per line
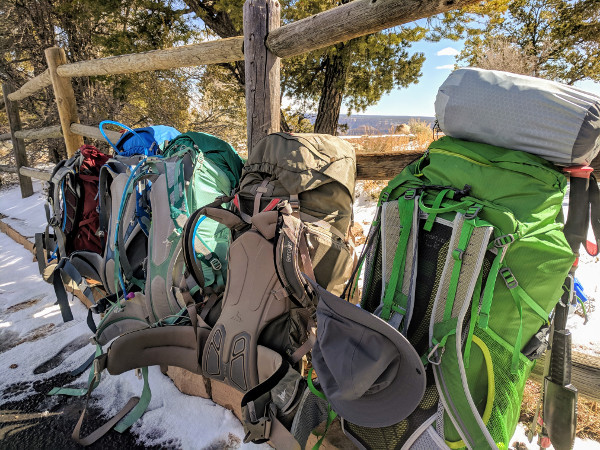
<point>29,317</point>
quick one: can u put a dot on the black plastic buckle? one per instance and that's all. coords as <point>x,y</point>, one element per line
<point>503,241</point>
<point>472,212</point>
<point>509,278</point>
<point>214,261</point>
<point>410,194</point>
<point>259,430</point>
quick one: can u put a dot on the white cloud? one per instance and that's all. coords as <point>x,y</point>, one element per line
<point>448,51</point>
<point>446,67</point>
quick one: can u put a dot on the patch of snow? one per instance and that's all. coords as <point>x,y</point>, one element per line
<point>27,216</point>
<point>520,436</point>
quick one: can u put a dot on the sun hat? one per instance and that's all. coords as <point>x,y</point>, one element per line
<point>369,372</point>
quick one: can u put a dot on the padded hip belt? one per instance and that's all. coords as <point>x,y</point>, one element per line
<point>173,346</point>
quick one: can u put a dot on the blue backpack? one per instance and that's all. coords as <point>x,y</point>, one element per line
<point>140,141</point>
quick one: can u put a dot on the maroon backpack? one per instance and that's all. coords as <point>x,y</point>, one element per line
<point>85,226</point>
<point>72,208</point>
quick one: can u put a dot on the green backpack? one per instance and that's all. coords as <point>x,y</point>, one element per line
<point>467,258</point>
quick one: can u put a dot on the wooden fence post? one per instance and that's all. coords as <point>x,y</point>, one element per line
<point>65,99</point>
<point>263,101</point>
<point>14,121</point>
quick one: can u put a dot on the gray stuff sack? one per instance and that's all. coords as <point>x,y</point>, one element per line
<point>552,120</point>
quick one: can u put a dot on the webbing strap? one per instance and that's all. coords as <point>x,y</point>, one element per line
<point>139,408</point>
<point>391,300</point>
<point>518,294</point>
<point>75,392</point>
<point>594,200</point>
<point>259,414</point>
<point>457,256</point>
<point>488,292</point>
<point>436,204</point>
<point>331,414</point>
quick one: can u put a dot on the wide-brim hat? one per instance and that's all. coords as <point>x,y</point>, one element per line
<point>371,375</point>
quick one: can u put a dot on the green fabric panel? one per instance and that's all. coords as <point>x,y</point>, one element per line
<point>209,183</point>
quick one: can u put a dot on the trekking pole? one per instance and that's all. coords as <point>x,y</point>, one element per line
<point>560,396</point>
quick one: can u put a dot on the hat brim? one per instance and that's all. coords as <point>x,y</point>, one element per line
<point>389,405</point>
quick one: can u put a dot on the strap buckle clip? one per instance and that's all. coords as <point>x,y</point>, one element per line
<point>504,240</point>
<point>509,278</point>
<point>434,354</point>
<point>258,430</point>
<point>472,211</point>
<point>410,194</point>
<point>214,262</point>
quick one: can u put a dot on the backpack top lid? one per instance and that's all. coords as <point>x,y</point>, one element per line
<point>145,139</point>
<point>557,122</point>
<point>302,161</point>
<point>221,153</point>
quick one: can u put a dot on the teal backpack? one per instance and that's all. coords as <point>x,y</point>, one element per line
<point>467,258</point>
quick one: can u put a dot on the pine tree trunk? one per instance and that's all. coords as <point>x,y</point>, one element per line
<point>330,104</point>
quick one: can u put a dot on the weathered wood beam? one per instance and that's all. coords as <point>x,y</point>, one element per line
<point>351,20</point>
<point>94,132</point>
<point>210,52</point>
<point>32,86</point>
<point>65,99</point>
<point>8,169</point>
<point>18,144</point>
<point>263,90</point>
<point>38,174</point>
<point>381,166</point>
<point>53,131</point>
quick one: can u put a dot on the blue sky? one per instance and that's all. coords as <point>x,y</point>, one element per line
<point>418,99</point>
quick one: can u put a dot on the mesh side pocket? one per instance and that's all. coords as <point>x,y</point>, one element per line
<point>508,387</point>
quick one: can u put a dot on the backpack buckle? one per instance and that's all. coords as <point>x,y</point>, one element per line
<point>509,278</point>
<point>257,429</point>
<point>410,194</point>
<point>503,241</point>
<point>472,211</point>
<point>214,262</point>
<point>434,357</point>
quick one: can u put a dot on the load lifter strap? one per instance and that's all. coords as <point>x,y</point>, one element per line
<point>468,245</point>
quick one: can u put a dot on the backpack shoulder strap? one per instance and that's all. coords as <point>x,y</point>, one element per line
<point>464,260</point>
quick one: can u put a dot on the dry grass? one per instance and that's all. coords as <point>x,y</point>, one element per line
<point>588,412</point>
<point>419,138</point>
<point>421,135</point>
